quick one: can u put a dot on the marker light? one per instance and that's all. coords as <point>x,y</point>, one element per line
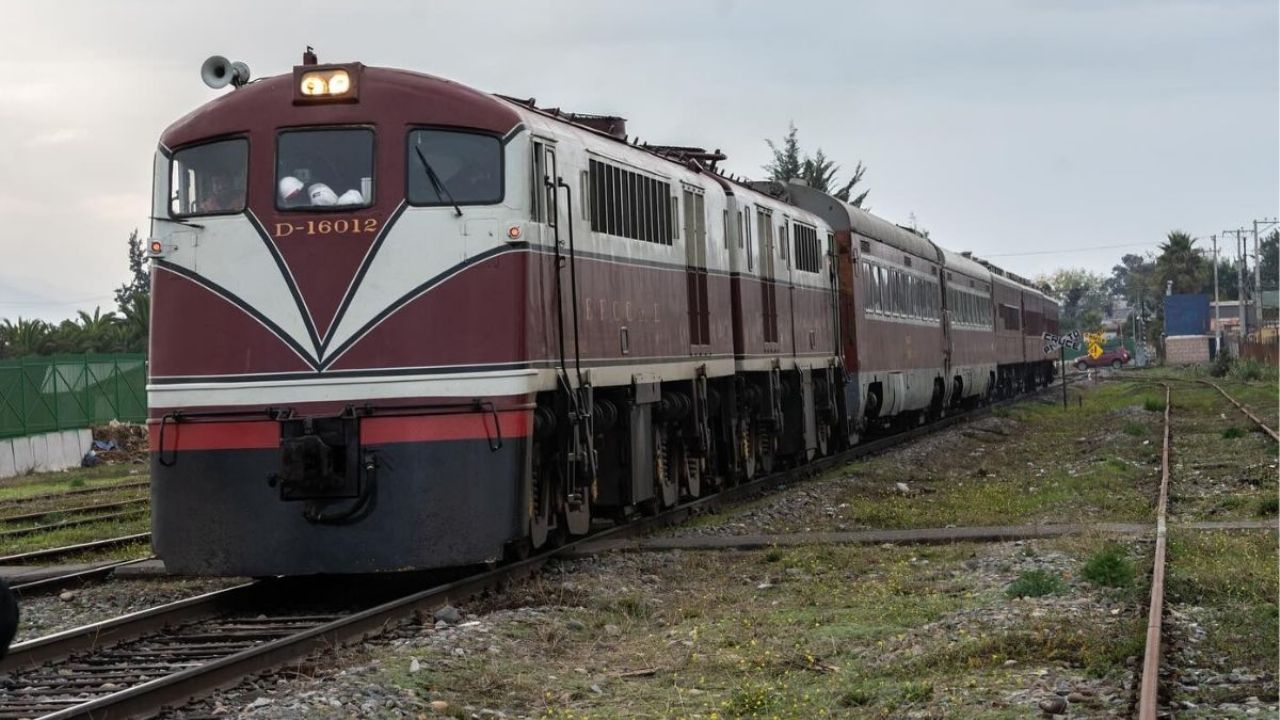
<point>513,232</point>
<point>156,247</point>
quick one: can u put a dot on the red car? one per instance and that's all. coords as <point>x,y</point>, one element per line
<point>1115,357</point>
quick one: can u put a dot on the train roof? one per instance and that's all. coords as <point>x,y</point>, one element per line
<point>959,262</point>
<point>843,216</point>
<point>384,92</point>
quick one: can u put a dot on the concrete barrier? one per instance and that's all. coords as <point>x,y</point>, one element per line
<point>43,453</point>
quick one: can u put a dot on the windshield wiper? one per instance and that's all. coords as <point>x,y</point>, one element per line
<point>178,221</point>
<point>436,182</point>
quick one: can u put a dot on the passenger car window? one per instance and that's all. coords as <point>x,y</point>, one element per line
<point>326,168</point>
<point>447,167</point>
<point>209,179</point>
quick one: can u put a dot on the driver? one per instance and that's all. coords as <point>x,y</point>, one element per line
<point>221,195</point>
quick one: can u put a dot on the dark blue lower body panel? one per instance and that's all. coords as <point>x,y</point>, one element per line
<point>437,504</point>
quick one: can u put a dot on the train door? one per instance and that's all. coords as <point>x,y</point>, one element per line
<point>695,233</point>
<point>790,292</point>
<point>768,291</point>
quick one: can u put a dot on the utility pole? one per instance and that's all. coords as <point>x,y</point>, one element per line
<point>1242,247</point>
<point>1257,276</point>
<point>1217,309</point>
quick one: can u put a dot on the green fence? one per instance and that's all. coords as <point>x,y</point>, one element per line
<point>64,392</point>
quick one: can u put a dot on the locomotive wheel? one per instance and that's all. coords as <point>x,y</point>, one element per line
<point>544,529</point>
<point>747,448</point>
<point>824,436</point>
<point>764,444</point>
<point>690,473</point>
<point>666,483</point>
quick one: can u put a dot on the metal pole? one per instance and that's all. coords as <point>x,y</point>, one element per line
<point>1257,276</point>
<point>1062,370</point>
<point>1217,309</point>
<point>1241,247</point>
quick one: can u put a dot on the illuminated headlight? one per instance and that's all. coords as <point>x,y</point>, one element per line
<point>325,82</point>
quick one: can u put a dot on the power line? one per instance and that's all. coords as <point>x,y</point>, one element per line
<point>51,303</point>
<point>1071,250</point>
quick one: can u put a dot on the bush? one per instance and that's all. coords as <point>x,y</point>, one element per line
<point>1269,506</point>
<point>1109,567</point>
<point>1152,404</point>
<point>1035,583</point>
<point>1221,364</point>
<point>1248,371</point>
<point>1232,433</point>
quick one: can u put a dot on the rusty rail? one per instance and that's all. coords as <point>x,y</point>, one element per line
<point>1244,410</point>
<point>1147,702</point>
<point>216,661</point>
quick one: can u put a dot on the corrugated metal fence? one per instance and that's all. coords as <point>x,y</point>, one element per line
<point>63,392</point>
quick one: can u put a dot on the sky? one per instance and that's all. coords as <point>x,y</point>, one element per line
<point>1037,133</point>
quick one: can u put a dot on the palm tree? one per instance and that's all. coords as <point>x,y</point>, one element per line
<point>24,337</point>
<point>1179,262</point>
<point>136,321</point>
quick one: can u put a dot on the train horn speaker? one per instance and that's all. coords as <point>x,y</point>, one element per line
<point>217,72</point>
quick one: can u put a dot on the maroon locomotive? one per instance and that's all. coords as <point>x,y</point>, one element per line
<point>399,323</point>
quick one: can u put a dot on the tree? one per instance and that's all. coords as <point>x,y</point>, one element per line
<point>140,283</point>
<point>1083,296</point>
<point>1270,250</point>
<point>24,337</point>
<point>1180,264</point>
<point>817,171</point>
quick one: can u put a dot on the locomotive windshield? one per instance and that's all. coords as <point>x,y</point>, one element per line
<point>467,168</point>
<point>324,169</point>
<point>209,179</point>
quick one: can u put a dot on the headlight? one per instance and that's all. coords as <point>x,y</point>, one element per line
<point>325,82</point>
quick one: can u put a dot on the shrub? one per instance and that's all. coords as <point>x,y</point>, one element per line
<point>1109,567</point>
<point>1035,583</point>
<point>1232,433</point>
<point>1152,404</point>
<point>1248,371</point>
<point>1221,364</point>
<point>1269,506</point>
<point>1135,429</point>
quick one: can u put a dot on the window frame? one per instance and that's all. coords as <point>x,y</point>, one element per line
<point>248,153</point>
<point>373,170</point>
<point>547,144</point>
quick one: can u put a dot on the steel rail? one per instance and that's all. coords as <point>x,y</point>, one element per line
<point>185,685</point>
<point>79,577</point>
<point>1244,410</point>
<point>101,489</point>
<point>74,522</point>
<point>1147,696</point>
<point>77,510</point>
<point>88,637</point>
<point>69,550</point>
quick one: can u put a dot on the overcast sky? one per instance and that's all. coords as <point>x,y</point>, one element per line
<point>1006,127</point>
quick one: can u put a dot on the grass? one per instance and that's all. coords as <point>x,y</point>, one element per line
<point>1109,567</point>
<point>796,632</point>
<point>1234,577</point>
<point>1232,433</point>
<point>1035,583</point>
<point>23,486</point>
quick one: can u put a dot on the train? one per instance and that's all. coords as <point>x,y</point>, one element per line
<point>399,323</point>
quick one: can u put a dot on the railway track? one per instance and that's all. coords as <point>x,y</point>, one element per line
<point>1148,695</point>
<point>27,500</point>
<point>67,551</point>
<point>140,664</point>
